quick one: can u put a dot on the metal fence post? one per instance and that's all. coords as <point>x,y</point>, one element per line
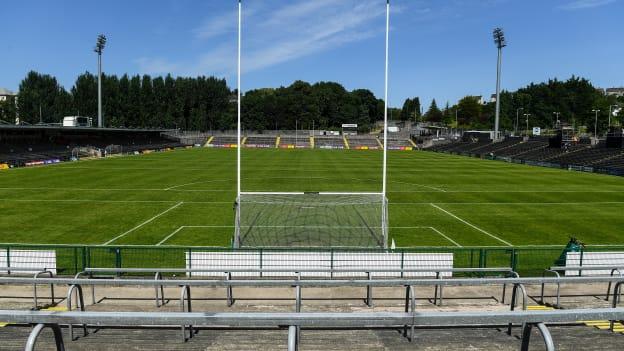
<point>8,259</point>
<point>118,259</point>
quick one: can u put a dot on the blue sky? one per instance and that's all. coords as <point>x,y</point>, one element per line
<point>439,49</point>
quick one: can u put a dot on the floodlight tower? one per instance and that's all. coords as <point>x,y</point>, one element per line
<point>596,111</point>
<point>499,40</point>
<point>99,47</point>
<point>613,111</point>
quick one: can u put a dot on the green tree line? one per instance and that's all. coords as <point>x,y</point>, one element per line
<point>207,103</point>
<point>200,103</point>
<point>571,101</point>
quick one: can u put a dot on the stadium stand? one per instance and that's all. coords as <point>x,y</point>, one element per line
<point>255,141</point>
<point>363,142</point>
<point>222,141</point>
<point>399,144</point>
<point>539,151</point>
<point>36,145</point>
<point>328,142</point>
<point>291,142</point>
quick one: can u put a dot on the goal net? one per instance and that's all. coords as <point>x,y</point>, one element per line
<point>311,220</point>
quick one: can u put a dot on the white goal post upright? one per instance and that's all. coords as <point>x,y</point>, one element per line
<point>311,219</point>
<point>238,128</point>
<point>384,213</point>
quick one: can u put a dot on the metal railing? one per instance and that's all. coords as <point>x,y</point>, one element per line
<point>311,320</point>
<point>71,259</point>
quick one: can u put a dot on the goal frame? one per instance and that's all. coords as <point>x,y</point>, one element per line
<point>382,194</point>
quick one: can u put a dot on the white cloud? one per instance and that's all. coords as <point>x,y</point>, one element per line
<point>277,34</point>
<point>585,4</point>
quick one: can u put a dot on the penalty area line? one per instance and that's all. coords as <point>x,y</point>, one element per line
<point>471,225</point>
<point>142,224</point>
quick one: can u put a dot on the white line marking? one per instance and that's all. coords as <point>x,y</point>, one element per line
<point>191,226</point>
<point>472,225</point>
<point>435,190</point>
<point>421,185</point>
<point>116,201</point>
<point>437,231</point>
<point>511,203</point>
<point>144,223</point>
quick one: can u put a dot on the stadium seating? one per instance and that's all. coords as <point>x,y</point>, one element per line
<point>32,146</point>
<point>329,142</point>
<point>537,151</point>
<point>363,142</point>
<point>223,141</point>
<point>291,142</point>
<point>254,141</point>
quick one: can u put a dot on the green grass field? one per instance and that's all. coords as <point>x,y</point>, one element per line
<point>186,198</point>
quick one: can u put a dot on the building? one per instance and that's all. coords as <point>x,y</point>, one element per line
<point>618,92</point>
<point>6,94</point>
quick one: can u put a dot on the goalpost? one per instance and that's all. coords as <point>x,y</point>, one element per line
<point>311,219</point>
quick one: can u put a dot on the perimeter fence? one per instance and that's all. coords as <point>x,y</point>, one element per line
<point>70,259</point>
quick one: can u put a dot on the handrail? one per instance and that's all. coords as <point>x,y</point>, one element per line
<point>34,335</point>
<point>312,319</point>
<point>185,306</point>
<point>77,276</point>
<point>36,276</point>
<point>160,301</point>
<point>585,268</point>
<point>558,287</point>
<point>300,270</point>
<point>609,287</point>
<point>315,282</point>
<point>77,288</point>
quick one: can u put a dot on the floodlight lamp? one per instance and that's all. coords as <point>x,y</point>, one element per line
<point>499,38</point>
<point>100,43</point>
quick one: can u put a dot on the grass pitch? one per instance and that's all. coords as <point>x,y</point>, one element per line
<point>186,198</point>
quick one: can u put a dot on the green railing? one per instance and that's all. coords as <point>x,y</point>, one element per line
<point>527,261</point>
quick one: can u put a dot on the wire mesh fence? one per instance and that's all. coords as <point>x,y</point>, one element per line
<point>70,259</point>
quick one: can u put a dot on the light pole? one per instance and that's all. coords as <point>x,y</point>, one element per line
<point>556,114</point>
<point>99,47</point>
<point>596,123</point>
<point>527,115</point>
<point>516,126</point>
<point>611,112</point>
<point>499,40</point>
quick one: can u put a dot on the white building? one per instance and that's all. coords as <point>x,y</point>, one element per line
<point>618,92</point>
<point>5,94</point>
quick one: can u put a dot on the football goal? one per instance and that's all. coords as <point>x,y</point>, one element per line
<point>311,219</point>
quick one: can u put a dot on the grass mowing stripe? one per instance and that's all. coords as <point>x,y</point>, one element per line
<point>472,225</point>
<point>144,223</point>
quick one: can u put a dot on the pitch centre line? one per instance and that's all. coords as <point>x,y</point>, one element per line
<point>144,223</point>
<point>471,225</point>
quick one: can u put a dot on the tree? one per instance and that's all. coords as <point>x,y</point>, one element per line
<point>411,109</point>
<point>39,99</point>
<point>8,112</point>
<point>433,114</point>
<point>469,113</point>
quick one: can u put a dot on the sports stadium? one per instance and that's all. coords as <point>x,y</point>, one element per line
<point>388,235</point>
